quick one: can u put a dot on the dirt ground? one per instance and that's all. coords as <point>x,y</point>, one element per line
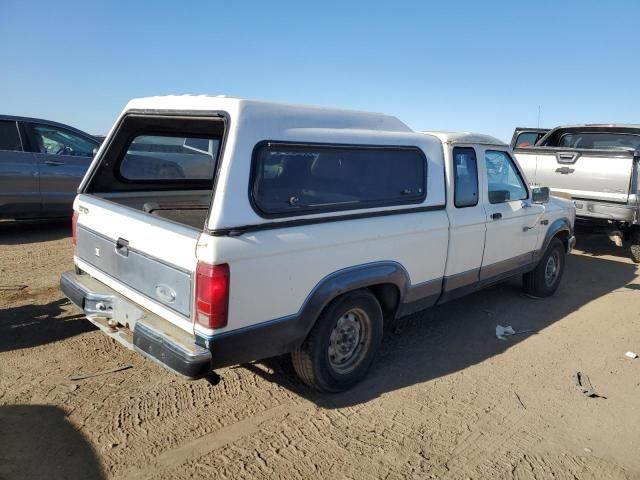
<point>445,398</point>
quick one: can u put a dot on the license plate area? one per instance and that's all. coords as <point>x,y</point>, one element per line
<point>112,309</point>
<point>160,282</point>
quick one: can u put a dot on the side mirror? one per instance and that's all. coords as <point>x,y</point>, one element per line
<point>540,194</point>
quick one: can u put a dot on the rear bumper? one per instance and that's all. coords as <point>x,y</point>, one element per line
<point>592,210</point>
<point>136,328</point>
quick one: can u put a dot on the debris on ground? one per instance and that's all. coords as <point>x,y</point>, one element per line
<point>617,238</point>
<point>503,332</point>
<point>519,399</point>
<point>73,387</point>
<point>584,384</point>
<point>13,287</point>
<point>103,372</point>
<point>631,355</point>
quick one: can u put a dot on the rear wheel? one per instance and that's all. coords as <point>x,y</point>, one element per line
<point>544,280</point>
<point>339,350</point>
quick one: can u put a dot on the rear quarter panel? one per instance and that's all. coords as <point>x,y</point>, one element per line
<point>274,271</point>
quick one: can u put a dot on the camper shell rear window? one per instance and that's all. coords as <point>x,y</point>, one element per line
<point>297,179</point>
<point>160,153</point>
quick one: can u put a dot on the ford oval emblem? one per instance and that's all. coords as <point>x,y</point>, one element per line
<point>165,293</point>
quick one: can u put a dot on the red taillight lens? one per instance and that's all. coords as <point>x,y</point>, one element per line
<point>74,222</point>
<point>212,295</point>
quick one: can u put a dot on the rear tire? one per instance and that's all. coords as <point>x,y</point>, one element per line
<point>340,347</point>
<point>635,244</point>
<point>544,280</point>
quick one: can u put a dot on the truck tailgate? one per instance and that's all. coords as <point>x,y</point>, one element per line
<point>139,256</point>
<point>586,174</point>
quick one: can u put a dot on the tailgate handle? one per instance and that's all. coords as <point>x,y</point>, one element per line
<point>122,247</point>
<point>567,157</point>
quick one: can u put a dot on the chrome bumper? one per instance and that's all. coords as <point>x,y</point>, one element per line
<point>136,328</point>
<point>588,209</point>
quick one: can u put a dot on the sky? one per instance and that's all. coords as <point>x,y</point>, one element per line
<point>483,66</point>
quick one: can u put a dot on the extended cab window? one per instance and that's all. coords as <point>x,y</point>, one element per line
<point>465,170</point>
<point>9,137</point>
<point>504,181</point>
<point>162,157</point>
<point>297,179</point>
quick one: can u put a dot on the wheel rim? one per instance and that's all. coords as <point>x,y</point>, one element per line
<point>349,339</point>
<point>552,269</point>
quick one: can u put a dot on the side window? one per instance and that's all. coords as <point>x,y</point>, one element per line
<point>298,179</point>
<point>505,182</point>
<point>9,137</point>
<point>58,141</point>
<point>465,171</point>
<point>527,139</point>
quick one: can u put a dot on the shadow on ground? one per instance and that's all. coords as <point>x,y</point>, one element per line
<point>31,325</point>
<point>596,243</point>
<point>454,336</point>
<point>16,233</point>
<point>38,442</point>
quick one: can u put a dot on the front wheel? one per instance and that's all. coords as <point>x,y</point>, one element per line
<point>339,350</point>
<point>544,280</point>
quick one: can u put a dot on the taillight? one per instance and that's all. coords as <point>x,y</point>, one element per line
<point>74,221</point>
<point>212,295</point>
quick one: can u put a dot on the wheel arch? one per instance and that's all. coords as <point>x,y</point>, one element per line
<point>559,228</point>
<point>387,280</point>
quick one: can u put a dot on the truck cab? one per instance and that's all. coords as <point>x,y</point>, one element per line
<point>214,231</point>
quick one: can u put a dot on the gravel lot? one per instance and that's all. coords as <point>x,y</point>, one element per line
<point>445,398</point>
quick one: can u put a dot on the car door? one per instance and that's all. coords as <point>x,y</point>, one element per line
<point>467,223</point>
<point>512,220</point>
<point>19,193</point>
<point>63,157</point>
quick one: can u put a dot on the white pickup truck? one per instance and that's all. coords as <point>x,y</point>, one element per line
<point>598,166</point>
<point>250,229</point>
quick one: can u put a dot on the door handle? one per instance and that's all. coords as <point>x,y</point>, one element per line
<point>496,216</point>
<point>54,163</point>
<point>122,247</point>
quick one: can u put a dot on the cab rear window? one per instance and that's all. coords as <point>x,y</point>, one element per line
<point>596,140</point>
<point>162,157</point>
<point>291,179</point>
